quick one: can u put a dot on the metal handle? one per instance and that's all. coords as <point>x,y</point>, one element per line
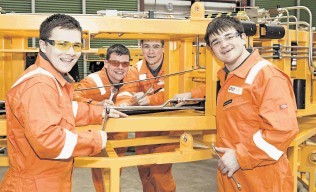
<point>233,177</point>
<point>149,91</point>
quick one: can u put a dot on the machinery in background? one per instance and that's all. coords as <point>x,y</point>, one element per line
<point>189,63</point>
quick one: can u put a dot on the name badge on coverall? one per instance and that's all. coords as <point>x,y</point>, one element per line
<point>235,90</point>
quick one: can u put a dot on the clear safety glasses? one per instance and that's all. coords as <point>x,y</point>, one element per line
<point>227,38</point>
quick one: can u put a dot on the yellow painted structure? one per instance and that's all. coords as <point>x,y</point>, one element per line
<point>180,54</point>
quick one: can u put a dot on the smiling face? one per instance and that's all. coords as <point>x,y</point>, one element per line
<point>62,60</point>
<point>153,52</point>
<point>116,73</point>
<point>229,47</point>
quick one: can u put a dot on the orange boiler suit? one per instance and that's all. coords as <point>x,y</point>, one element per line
<point>94,96</point>
<point>154,177</point>
<point>256,116</point>
<point>41,134</point>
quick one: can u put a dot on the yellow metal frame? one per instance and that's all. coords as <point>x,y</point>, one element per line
<point>179,35</point>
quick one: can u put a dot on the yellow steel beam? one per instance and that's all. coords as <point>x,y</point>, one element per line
<point>4,161</point>
<point>3,142</point>
<point>144,141</point>
<point>159,158</point>
<point>99,24</point>
<point>19,50</point>
<point>2,70</point>
<point>158,123</point>
<point>3,126</point>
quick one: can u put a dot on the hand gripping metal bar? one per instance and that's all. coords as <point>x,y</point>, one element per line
<point>233,177</point>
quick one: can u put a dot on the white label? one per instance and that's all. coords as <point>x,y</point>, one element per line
<point>142,76</point>
<point>235,90</point>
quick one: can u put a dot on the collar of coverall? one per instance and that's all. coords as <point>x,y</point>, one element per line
<point>156,71</point>
<point>243,69</point>
<point>43,62</point>
<point>116,86</point>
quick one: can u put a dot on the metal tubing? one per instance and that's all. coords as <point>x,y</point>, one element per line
<point>288,26</point>
<point>269,47</point>
<point>298,57</point>
<point>33,11</point>
<point>310,31</point>
<point>197,50</point>
<point>291,17</point>
<point>271,51</point>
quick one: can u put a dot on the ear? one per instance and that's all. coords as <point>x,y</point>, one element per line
<point>42,45</point>
<point>106,63</point>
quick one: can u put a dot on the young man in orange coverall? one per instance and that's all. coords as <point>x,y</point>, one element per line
<point>41,117</point>
<point>115,69</point>
<point>154,177</point>
<point>255,116</point>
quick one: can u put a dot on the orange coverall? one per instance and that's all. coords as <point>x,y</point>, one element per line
<point>256,117</point>
<point>42,139</point>
<point>94,96</point>
<point>154,177</point>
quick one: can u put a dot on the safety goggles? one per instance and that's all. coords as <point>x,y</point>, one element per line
<point>227,38</point>
<point>117,63</point>
<point>65,45</point>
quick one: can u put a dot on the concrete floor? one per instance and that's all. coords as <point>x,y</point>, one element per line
<point>190,177</point>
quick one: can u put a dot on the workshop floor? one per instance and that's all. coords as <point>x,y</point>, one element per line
<point>190,177</point>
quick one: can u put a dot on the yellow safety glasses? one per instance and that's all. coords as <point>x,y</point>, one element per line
<point>65,45</point>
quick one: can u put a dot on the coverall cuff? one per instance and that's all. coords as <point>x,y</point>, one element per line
<point>98,142</point>
<point>196,93</point>
<point>123,103</point>
<point>243,157</point>
<point>104,138</point>
<point>94,103</point>
<point>150,100</point>
<point>99,110</point>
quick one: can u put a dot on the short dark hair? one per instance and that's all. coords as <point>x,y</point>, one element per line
<point>118,49</point>
<point>58,20</point>
<point>220,24</point>
<point>162,42</point>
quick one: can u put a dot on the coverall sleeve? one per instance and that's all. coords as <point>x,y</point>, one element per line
<point>199,92</point>
<point>157,98</point>
<point>125,94</point>
<point>278,126</point>
<point>87,96</point>
<point>47,131</point>
<point>88,114</point>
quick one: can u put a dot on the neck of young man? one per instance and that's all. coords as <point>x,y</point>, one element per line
<point>238,62</point>
<point>154,66</point>
<point>114,80</point>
